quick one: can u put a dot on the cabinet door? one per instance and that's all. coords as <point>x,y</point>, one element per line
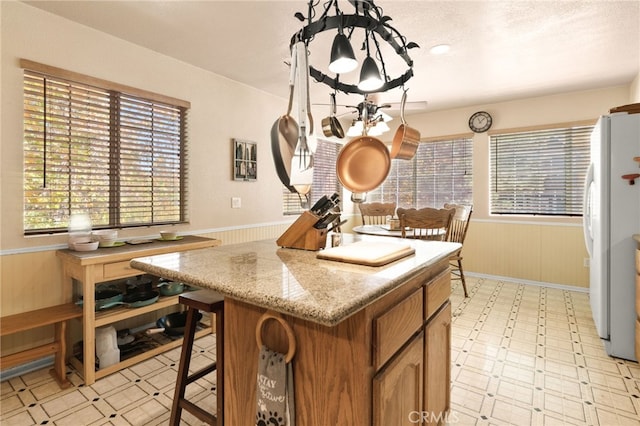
<point>437,363</point>
<point>397,389</point>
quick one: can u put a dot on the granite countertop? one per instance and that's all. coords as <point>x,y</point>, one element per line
<point>292,281</point>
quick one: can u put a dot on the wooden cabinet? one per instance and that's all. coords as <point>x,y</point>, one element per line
<point>91,268</point>
<point>384,365</point>
<point>398,388</point>
<point>437,366</point>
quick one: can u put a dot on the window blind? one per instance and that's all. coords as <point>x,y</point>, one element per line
<point>118,157</point>
<point>439,173</point>
<point>539,172</point>
<point>325,181</point>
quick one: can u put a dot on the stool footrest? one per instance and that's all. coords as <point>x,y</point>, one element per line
<point>201,373</point>
<point>198,412</point>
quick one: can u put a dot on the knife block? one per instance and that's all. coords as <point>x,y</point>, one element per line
<point>302,235</point>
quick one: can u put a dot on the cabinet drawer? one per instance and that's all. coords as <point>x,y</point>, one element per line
<point>119,270</point>
<point>438,292</point>
<point>393,328</point>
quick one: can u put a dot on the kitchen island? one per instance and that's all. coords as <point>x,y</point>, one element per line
<point>372,343</point>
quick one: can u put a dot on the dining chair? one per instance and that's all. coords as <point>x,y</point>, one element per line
<point>457,234</point>
<point>427,223</point>
<point>376,213</point>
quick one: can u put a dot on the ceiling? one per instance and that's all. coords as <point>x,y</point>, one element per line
<point>500,50</point>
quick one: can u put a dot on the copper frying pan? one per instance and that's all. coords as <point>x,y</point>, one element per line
<point>363,164</point>
<point>406,139</point>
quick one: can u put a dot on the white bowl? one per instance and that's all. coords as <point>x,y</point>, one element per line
<point>104,242</point>
<point>168,235</point>
<point>85,246</point>
<point>105,234</point>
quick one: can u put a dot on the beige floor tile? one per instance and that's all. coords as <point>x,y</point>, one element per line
<point>521,355</point>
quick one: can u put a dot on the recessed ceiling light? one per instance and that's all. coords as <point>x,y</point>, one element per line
<point>440,49</point>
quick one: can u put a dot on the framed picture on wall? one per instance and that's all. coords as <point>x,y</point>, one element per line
<point>245,160</point>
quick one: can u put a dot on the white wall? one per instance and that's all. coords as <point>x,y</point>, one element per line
<point>220,110</point>
<point>560,108</point>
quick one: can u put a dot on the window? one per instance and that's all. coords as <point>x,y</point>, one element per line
<point>325,181</point>
<point>440,172</point>
<point>540,172</point>
<point>90,146</point>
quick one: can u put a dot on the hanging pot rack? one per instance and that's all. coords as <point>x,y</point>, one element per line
<point>369,17</point>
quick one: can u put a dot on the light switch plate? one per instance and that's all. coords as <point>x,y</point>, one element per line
<point>236,202</point>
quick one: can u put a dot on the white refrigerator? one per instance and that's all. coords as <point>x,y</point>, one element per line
<point>610,218</point>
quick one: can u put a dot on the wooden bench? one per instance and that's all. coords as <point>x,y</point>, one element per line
<point>57,315</point>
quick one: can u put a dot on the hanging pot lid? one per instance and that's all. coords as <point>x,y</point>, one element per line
<point>363,164</point>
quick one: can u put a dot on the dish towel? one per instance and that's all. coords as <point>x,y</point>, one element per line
<point>274,394</point>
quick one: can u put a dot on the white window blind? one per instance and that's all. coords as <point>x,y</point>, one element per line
<point>325,181</point>
<point>539,172</point>
<point>121,158</point>
<point>439,173</point>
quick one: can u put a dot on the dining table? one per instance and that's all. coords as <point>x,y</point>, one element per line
<point>386,231</point>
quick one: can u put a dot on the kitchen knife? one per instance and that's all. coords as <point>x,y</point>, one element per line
<point>316,207</point>
<point>326,220</point>
<point>337,225</point>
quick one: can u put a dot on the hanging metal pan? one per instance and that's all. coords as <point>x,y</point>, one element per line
<point>331,125</point>
<point>363,164</point>
<point>284,135</point>
<point>406,139</point>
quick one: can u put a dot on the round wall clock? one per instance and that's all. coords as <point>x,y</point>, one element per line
<point>480,121</point>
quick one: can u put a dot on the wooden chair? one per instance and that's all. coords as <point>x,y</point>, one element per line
<point>457,234</point>
<point>376,213</point>
<point>427,223</point>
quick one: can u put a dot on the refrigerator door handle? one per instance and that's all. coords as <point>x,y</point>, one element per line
<point>587,211</point>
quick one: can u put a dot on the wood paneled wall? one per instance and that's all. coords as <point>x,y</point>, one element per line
<point>533,252</point>
<point>543,253</point>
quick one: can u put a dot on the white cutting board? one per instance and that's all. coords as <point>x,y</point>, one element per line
<point>367,253</point>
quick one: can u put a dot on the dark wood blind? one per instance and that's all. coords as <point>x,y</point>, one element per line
<point>121,158</point>
<point>539,172</point>
<point>440,172</point>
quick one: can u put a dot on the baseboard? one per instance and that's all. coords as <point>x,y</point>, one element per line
<point>528,282</point>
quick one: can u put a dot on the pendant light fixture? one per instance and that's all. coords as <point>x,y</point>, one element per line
<point>370,79</point>
<point>368,24</point>
<point>343,59</point>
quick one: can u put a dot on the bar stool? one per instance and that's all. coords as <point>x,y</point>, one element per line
<point>211,302</point>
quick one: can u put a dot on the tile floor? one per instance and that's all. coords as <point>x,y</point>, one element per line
<point>521,354</point>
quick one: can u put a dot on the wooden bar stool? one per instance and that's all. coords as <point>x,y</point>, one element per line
<point>212,302</point>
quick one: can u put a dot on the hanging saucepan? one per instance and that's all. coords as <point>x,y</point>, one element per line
<point>284,135</point>
<point>363,163</point>
<point>406,139</point>
<point>331,125</point>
